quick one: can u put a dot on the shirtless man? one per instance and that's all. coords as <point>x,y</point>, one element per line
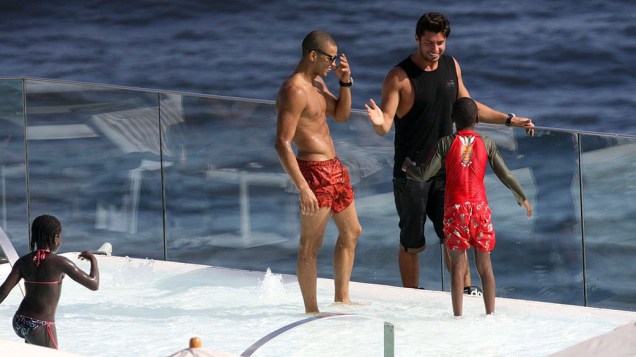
<point>43,271</point>
<point>303,103</point>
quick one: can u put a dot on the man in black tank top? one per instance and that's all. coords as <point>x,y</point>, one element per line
<point>418,95</point>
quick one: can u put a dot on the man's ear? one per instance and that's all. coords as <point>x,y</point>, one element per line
<point>312,56</point>
<point>477,119</point>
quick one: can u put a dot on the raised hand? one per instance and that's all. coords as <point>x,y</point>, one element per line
<point>343,71</point>
<point>375,113</point>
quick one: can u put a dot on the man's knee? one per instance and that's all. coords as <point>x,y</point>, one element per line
<point>309,248</point>
<point>349,238</point>
<point>412,250</point>
<point>355,232</point>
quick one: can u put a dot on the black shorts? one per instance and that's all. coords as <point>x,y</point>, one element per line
<point>414,200</point>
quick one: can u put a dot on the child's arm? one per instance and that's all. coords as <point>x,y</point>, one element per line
<point>11,281</point>
<point>505,176</point>
<point>427,171</point>
<point>91,280</point>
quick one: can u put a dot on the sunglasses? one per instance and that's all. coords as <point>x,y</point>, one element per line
<point>331,58</point>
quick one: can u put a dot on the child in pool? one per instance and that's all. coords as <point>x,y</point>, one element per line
<point>43,271</point>
<point>467,216</point>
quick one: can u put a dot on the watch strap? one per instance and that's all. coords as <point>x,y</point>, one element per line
<point>509,118</point>
<point>345,84</point>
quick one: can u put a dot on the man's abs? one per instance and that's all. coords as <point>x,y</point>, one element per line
<point>314,145</point>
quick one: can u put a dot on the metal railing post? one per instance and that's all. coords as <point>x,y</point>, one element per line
<point>389,339</point>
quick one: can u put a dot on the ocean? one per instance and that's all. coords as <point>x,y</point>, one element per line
<point>566,64</point>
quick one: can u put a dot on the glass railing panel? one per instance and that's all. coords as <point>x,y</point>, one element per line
<point>217,211</point>
<point>228,202</point>
<point>94,162</point>
<point>537,259</point>
<point>609,187</point>
<point>13,204</point>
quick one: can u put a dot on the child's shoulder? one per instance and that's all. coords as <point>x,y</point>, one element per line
<point>27,257</point>
<point>445,141</point>
<point>58,258</point>
<point>487,140</point>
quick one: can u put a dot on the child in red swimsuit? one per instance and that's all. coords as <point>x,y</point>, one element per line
<point>43,271</point>
<point>467,220</point>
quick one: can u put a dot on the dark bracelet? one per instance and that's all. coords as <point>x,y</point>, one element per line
<point>343,84</point>
<point>509,119</point>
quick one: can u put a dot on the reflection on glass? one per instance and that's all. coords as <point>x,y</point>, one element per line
<point>555,250</point>
<point>13,208</point>
<point>224,187</point>
<point>538,258</point>
<point>94,160</point>
<point>609,187</point>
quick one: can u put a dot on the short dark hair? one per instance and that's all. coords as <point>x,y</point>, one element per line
<point>434,22</point>
<point>317,40</point>
<point>465,112</point>
<point>43,231</point>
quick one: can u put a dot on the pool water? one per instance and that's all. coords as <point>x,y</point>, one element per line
<point>153,308</point>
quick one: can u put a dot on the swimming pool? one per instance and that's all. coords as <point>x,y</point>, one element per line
<point>153,308</point>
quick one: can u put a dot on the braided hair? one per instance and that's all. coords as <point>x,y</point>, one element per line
<point>43,232</point>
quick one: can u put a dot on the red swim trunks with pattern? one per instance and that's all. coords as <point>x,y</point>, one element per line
<point>469,224</point>
<point>329,180</point>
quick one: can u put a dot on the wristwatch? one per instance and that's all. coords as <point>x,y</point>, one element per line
<point>509,119</point>
<point>343,84</point>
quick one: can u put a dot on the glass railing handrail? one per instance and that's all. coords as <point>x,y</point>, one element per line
<point>141,89</point>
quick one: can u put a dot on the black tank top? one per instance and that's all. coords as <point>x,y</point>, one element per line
<point>430,117</point>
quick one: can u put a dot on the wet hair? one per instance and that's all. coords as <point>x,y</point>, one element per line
<point>433,22</point>
<point>317,40</point>
<point>43,231</point>
<point>464,113</point>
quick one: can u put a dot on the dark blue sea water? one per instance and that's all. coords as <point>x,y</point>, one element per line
<point>567,64</point>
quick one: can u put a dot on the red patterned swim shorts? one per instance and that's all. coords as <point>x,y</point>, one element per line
<point>329,180</point>
<point>469,224</point>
